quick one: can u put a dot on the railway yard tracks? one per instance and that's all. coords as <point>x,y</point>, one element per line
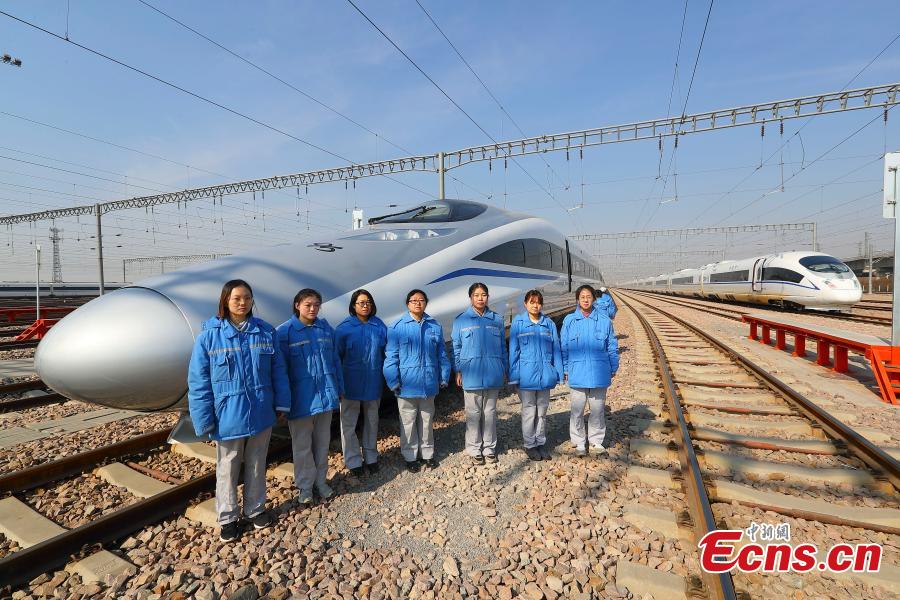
<point>745,447</point>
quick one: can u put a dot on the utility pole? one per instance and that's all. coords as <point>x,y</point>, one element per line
<point>869,259</point>
<point>99,247</point>
<point>55,239</point>
<point>37,282</point>
<point>441,169</point>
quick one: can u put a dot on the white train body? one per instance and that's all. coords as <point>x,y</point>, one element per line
<point>809,280</point>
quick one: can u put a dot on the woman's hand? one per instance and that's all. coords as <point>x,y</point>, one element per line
<point>281,418</point>
<point>459,379</point>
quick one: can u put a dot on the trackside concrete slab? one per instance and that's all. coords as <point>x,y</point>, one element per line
<point>78,422</point>
<point>17,367</point>
<point>25,526</point>
<point>641,580</point>
<point>198,450</point>
<point>654,519</point>
<point>96,567</point>
<point>283,471</point>
<point>137,483</point>
<point>698,418</point>
<point>717,435</point>
<point>204,513</point>
<point>763,468</point>
<point>654,477</point>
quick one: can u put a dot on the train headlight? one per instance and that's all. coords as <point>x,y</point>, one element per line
<point>829,284</point>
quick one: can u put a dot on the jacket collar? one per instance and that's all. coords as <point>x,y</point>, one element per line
<point>580,315</point>
<point>488,313</point>
<point>408,318</point>
<point>355,321</point>
<point>231,331</point>
<point>297,324</point>
<point>526,319</point>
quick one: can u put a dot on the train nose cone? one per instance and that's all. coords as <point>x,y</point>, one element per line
<point>127,349</point>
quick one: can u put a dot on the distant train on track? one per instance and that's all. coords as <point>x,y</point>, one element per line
<point>799,280</point>
<point>130,348</point>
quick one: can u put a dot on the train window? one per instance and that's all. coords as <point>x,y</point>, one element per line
<point>441,211</point>
<point>780,274</point>
<point>510,253</point>
<point>537,254</point>
<point>730,276</point>
<point>823,264</point>
<point>682,280</point>
<point>557,259</point>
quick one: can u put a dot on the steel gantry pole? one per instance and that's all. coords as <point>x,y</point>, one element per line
<point>441,172</point>
<point>99,214</point>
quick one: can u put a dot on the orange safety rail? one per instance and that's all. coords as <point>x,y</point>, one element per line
<point>12,314</point>
<point>37,330</point>
<point>884,360</point>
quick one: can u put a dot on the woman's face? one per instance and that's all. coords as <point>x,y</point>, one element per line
<point>417,305</point>
<point>585,299</point>
<point>240,302</point>
<point>534,306</point>
<point>479,299</point>
<point>308,308</point>
<point>363,306</point>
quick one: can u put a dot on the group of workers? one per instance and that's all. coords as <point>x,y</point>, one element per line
<point>245,375</point>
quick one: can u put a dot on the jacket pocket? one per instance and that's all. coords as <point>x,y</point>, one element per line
<point>222,367</point>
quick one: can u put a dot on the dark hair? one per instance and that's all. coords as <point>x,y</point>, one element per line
<point>223,312</point>
<point>355,296</point>
<point>532,294</point>
<point>414,292</point>
<point>477,285</point>
<point>303,295</point>
<point>582,288</point>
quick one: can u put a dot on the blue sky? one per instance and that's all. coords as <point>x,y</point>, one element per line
<point>554,67</point>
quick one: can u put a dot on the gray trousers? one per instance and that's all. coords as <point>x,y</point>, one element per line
<point>350,409</point>
<point>534,411</point>
<point>481,421</point>
<point>229,455</point>
<point>596,426</point>
<point>310,437</point>
<point>416,430</point>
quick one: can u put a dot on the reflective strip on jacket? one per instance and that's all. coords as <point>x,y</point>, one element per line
<point>606,303</point>
<point>361,349</point>
<point>479,350</point>
<point>236,380</point>
<point>416,361</point>
<point>590,351</point>
<point>313,366</point>
<point>535,356</point>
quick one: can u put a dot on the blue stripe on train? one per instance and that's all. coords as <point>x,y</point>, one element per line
<point>493,273</point>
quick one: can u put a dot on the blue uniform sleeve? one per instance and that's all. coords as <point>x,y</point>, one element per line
<point>456,336</point>
<point>503,347</point>
<point>336,362</point>
<point>613,309</point>
<point>445,360</point>
<point>340,341</point>
<point>564,344</point>
<point>557,352</point>
<point>391,368</point>
<point>514,353</point>
<point>280,375</point>
<point>612,349</point>
<point>201,402</point>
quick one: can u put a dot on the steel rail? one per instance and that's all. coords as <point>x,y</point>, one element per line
<point>882,464</point>
<point>24,565</point>
<point>38,475</point>
<point>26,403</point>
<point>22,386</point>
<point>718,586</point>
<point>16,345</point>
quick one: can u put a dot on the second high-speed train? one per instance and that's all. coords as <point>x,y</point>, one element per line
<point>808,280</point>
<point>131,348</point>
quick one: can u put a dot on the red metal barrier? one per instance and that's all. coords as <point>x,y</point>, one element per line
<point>37,330</point>
<point>13,313</point>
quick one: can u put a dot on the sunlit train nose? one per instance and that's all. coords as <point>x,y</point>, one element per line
<point>127,349</point>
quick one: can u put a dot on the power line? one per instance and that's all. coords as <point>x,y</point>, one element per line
<point>697,60</point>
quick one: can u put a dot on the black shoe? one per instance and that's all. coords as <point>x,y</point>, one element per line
<point>431,463</point>
<point>230,531</point>
<point>373,467</point>
<point>545,452</point>
<point>478,460</point>
<point>491,458</point>
<point>262,520</point>
<point>533,453</point>
<point>412,466</point>
<point>358,471</point>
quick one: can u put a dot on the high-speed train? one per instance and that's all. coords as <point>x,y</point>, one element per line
<point>131,348</point>
<point>808,280</point>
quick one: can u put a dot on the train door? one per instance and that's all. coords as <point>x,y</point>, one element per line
<point>756,275</point>
<point>569,265</point>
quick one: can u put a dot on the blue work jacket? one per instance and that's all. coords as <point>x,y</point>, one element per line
<point>236,380</point>
<point>535,356</point>
<point>313,366</point>
<point>416,363</point>
<point>479,350</point>
<point>361,349</point>
<point>590,351</point>
<point>606,303</point>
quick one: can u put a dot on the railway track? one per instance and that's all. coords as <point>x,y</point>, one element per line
<point>30,402</point>
<point>780,444</point>
<point>719,309</point>
<point>16,345</point>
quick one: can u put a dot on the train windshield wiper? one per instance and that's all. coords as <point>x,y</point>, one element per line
<point>406,216</point>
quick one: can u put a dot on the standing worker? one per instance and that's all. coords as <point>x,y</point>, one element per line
<point>361,339</point>
<point>590,356</point>
<point>236,382</point>
<point>479,354</point>
<point>415,368</point>
<point>535,366</point>
<point>606,303</point>
<point>317,384</point>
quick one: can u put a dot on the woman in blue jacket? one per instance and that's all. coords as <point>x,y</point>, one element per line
<point>479,355</point>
<point>606,303</point>
<point>361,339</point>
<point>317,384</point>
<point>590,356</point>
<point>535,366</point>
<point>236,382</point>
<point>415,368</point>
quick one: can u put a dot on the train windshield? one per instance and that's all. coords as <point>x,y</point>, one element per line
<point>824,264</point>
<point>441,211</point>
